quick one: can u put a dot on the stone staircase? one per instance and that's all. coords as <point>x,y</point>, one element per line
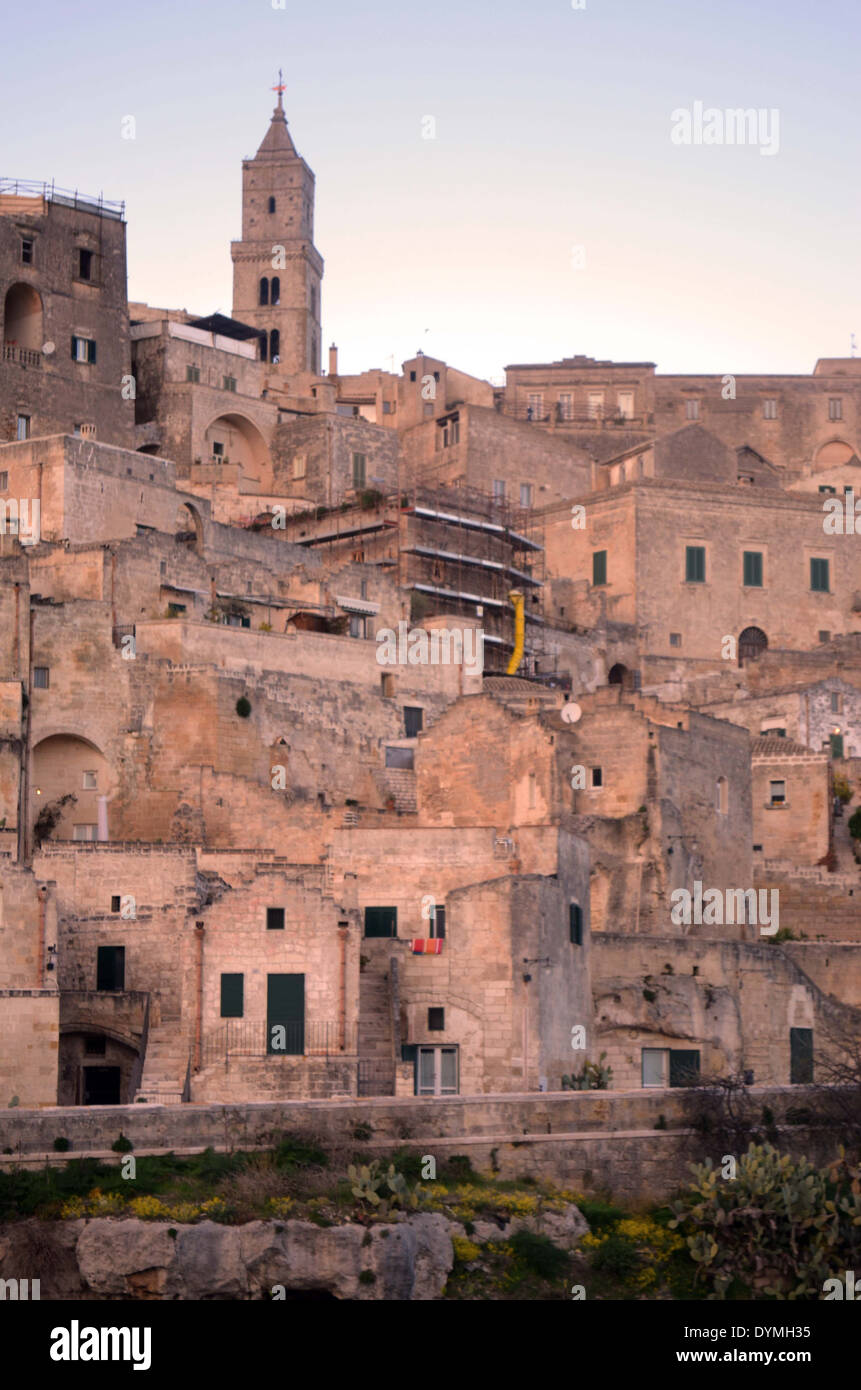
<point>376,1058</point>
<point>165,1065</point>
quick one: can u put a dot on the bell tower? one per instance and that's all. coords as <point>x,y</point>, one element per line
<point>277,270</point>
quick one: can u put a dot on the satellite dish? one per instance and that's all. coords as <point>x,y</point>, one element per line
<point>571,712</point>
<point>48,348</point>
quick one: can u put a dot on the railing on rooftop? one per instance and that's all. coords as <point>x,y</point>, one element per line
<point>584,419</point>
<point>65,197</point>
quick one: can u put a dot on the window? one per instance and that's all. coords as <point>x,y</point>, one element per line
<point>85,832</point>
<point>276,290</point>
<point>836,703</point>
<point>274,919</point>
<point>436,1071</point>
<point>599,567</point>
<point>381,921</point>
<point>413,721</point>
<point>771,732</point>
<point>436,1020</point>
<point>625,404</point>
<point>752,565</point>
<point>83,350</point>
<point>41,677</point>
<point>358,625</point>
<point>27,250</point>
<point>684,1066</point>
<point>437,921</point>
<point>263,291</point>
<point>819,576</point>
<point>692,410</point>
<point>824,635</point>
<point>412,376</point>
<point>110,967</point>
<point>450,431</point>
<point>387,686</point>
<point>116,902</point>
<point>271,205</point>
<point>232,990</point>
<point>835,408</point>
<point>85,264</point>
<point>800,1056</point>
<point>526,494</point>
<point>827,490</point>
<point>275,346</point>
<point>595,405</point>
<point>566,406</point>
<point>675,639</point>
<point>4,481</point>
<point>359,470</point>
<point>695,564</point>
<point>575,924</point>
<point>535,405</point>
<point>499,489</point>
<point>363,588</point>
<point>228,383</point>
<point>777,793</point>
<point>22,427</point>
<point>400,757</point>
<point>654,1066</point>
<point>94,1045</point>
<point>722,796</point>
<point>597,777</point>
<point>769,410</point>
<point>192,373</point>
<point>91,781</point>
<point>299,466</point>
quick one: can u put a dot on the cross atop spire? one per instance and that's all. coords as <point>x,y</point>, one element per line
<point>280,89</point>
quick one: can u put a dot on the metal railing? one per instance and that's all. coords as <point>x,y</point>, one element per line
<point>240,1037</point>
<point>66,197</point>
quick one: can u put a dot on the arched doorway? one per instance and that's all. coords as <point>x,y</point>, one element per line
<point>832,455</point>
<point>236,449</point>
<point>188,525</point>
<point>69,777</point>
<point>621,675</point>
<point>22,318</point>
<point>751,645</point>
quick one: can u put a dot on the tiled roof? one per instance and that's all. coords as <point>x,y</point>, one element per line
<point>767,747</point>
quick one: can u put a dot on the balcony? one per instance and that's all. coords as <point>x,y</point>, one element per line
<point>26,357</point>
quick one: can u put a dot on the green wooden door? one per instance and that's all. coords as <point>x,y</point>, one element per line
<point>800,1056</point>
<point>285,1014</point>
<point>836,745</point>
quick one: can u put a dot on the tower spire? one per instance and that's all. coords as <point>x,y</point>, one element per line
<point>280,89</point>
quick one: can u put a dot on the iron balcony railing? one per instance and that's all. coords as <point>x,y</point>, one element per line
<point>67,197</point>
<point>240,1037</point>
<point>27,356</point>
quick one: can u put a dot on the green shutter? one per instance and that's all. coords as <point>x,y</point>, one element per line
<point>819,576</point>
<point>599,567</point>
<point>91,351</point>
<point>575,923</point>
<point>232,996</point>
<point>800,1056</point>
<point>753,569</point>
<point>381,921</point>
<point>74,348</point>
<point>285,1008</point>
<point>111,967</point>
<point>684,1067</point>
<point>695,564</point>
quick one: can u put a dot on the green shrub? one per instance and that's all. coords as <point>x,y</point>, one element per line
<point>539,1254</point>
<point>617,1256</point>
<point>122,1145</point>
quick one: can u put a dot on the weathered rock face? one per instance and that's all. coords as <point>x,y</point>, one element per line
<point>129,1259</point>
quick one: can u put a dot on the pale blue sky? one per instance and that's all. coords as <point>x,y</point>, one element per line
<point>552,132</point>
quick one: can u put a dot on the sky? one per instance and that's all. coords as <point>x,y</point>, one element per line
<point>496,182</point>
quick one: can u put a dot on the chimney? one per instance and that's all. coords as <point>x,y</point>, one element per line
<point>333,360</point>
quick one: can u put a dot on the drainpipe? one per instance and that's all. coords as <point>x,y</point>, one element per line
<point>200,932</point>
<point>17,640</point>
<point>342,986</point>
<point>40,974</point>
<point>113,586</point>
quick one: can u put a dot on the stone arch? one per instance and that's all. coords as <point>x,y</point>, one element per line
<point>751,644</point>
<point>621,675</point>
<point>832,454</point>
<point>69,764</point>
<point>243,451</point>
<point>189,527</point>
<point>22,318</point>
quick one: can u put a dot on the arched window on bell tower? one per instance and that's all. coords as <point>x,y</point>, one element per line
<point>263,346</point>
<point>263,297</point>
<point>274,345</point>
<point>276,290</point>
